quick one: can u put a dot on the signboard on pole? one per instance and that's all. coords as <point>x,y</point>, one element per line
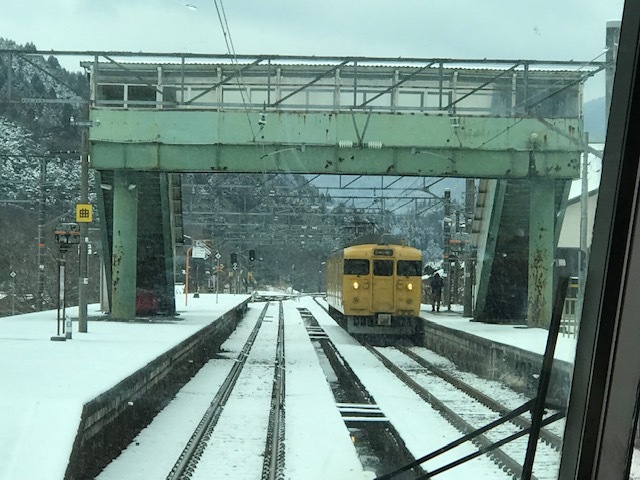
<point>199,252</point>
<point>201,249</point>
<point>84,213</point>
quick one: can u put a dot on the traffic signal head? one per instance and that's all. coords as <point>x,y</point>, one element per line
<point>234,258</point>
<point>252,255</point>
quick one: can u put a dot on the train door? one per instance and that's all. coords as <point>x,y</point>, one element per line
<point>382,289</point>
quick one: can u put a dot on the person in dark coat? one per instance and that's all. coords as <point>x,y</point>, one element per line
<point>436,284</point>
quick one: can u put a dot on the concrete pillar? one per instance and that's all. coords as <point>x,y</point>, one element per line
<point>125,242</point>
<point>541,252</point>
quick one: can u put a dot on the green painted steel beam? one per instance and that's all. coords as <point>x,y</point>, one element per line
<point>337,143</point>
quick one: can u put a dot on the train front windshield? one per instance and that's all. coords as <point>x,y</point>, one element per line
<point>383,268</point>
<point>356,267</point>
<point>409,268</point>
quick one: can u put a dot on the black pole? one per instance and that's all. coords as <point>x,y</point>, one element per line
<point>63,294</point>
<point>447,247</point>
<point>545,376</point>
<point>58,303</point>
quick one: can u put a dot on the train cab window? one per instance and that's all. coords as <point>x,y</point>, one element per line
<point>356,267</point>
<point>383,268</point>
<point>409,268</point>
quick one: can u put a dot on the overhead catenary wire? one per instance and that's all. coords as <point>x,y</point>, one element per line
<point>226,32</point>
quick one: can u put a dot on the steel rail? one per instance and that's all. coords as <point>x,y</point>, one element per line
<point>274,457</point>
<point>501,457</point>
<point>548,437</point>
<point>196,445</point>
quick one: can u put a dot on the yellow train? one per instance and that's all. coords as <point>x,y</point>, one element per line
<point>374,290</point>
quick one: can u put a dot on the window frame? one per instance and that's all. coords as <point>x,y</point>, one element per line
<point>604,393</point>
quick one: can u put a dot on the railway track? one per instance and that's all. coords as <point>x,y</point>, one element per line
<point>257,376</point>
<point>274,455</point>
<point>361,408</point>
<point>190,463</point>
<point>548,437</point>
<point>469,410</point>
<point>497,430</point>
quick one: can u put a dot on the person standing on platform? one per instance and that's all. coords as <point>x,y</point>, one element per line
<point>436,284</point>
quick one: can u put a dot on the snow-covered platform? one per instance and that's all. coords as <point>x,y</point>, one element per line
<point>59,398</point>
<point>510,353</point>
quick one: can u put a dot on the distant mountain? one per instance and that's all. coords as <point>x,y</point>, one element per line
<point>594,120</point>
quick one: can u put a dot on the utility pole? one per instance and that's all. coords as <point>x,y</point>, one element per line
<point>41,245</point>
<point>469,208</point>
<point>456,263</point>
<point>83,278</point>
<point>447,246</point>
<point>84,216</point>
<point>584,220</point>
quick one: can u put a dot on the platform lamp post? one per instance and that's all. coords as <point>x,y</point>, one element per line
<point>66,235</point>
<point>219,271</point>
<point>186,278</point>
<point>13,292</point>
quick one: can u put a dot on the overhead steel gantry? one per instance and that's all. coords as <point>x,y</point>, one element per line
<point>516,123</point>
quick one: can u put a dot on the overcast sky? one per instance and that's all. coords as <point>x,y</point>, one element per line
<point>511,29</point>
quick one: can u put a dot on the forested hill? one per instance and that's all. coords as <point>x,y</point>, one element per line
<point>33,135</point>
<point>30,131</point>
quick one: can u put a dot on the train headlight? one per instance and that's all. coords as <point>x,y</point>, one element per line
<point>356,285</point>
<point>409,286</point>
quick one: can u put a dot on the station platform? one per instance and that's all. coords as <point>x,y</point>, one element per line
<point>57,393</point>
<point>508,353</point>
<point>533,340</point>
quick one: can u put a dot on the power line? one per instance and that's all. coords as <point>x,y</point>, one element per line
<point>224,25</point>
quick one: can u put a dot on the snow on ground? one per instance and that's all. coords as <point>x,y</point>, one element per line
<point>242,428</point>
<point>318,444</point>
<point>156,448</point>
<point>421,427</point>
<point>45,384</point>
<point>520,336</point>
